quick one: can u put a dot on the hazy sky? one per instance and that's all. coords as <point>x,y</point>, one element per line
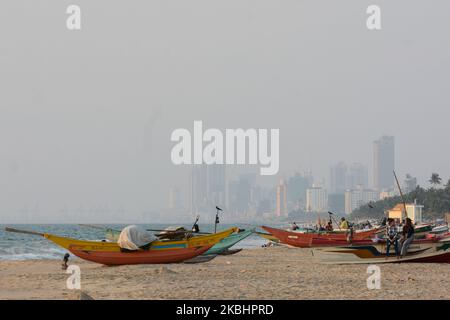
<point>86,116</point>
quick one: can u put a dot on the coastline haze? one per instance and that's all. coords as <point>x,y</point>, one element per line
<point>86,116</point>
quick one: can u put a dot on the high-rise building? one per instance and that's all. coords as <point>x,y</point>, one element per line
<point>410,183</point>
<point>199,188</point>
<point>316,199</point>
<point>208,187</point>
<point>336,202</point>
<point>344,177</point>
<point>357,175</point>
<point>338,178</point>
<point>174,198</point>
<point>359,197</point>
<point>216,185</point>
<point>296,190</point>
<point>240,193</point>
<point>383,163</point>
<point>281,199</point>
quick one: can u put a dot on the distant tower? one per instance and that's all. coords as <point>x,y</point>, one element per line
<point>316,199</point>
<point>383,163</point>
<point>357,175</point>
<point>281,199</point>
<point>174,198</point>
<point>338,177</point>
<point>198,188</point>
<point>216,185</point>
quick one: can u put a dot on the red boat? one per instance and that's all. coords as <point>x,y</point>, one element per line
<point>307,240</point>
<point>140,257</point>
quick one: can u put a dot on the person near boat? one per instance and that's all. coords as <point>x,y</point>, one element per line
<point>294,226</point>
<point>329,226</point>
<point>367,225</point>
<point>344,224</point>
<point>65,264</point>
<point>407,236</point>
<point>391,237</point>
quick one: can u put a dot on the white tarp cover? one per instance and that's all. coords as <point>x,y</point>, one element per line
<point>132,237</point>
<point>174,228</point>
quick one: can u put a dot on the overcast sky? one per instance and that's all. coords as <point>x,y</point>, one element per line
<point>86,116</point>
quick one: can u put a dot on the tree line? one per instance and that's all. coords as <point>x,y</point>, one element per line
<point>436,201</point>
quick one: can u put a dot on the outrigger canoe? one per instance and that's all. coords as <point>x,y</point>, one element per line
<point>218,248</point>
<point>307,240</point>
<point>109,253</point>
<point>424,250</point>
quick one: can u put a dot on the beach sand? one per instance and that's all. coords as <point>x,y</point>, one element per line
<point>266,273</point>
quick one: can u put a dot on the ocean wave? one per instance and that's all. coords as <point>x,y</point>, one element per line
<point>24,253</point>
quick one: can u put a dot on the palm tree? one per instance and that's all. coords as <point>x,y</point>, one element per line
<point>447,186</point>
<point>435,179</point>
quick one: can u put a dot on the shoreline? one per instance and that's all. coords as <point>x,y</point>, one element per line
<point>265,273</point>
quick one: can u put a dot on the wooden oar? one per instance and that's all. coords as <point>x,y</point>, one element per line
<point>24,231</point>
<point>153,230</point>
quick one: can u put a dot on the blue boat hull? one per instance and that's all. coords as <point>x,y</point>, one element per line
<point>228,242</point>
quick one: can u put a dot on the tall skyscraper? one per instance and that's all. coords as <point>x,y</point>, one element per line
<point>199,188</point>
<point>208,187</point>
<point>240,193</point>
<point>338,178</point>
<point>216,185</point>
<point>383,163</point>
<point>296,190</point>
<point>357,175</point>
<point>281,199</point>
<point>174,198</point>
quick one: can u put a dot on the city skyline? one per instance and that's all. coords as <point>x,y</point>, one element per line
<point>210,186</point>
<point>86,117</point>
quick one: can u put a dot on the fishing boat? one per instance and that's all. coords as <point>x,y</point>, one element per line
<point>307,240</point>
<point>220,247</point>
<point>424,250</point>
<point>150,256</point>
<point>109,253</point>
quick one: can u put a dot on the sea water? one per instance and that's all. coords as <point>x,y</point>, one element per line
<point>18,246</point>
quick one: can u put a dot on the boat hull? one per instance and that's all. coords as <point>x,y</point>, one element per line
<point>420,251</point>
<point>228,242</point>
<point>111,258</point>
<point>308,240</point>
<point>103,246</point>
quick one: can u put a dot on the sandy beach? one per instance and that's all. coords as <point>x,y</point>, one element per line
<point>266,273</point>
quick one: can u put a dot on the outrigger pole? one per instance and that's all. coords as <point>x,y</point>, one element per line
<point>332,219</point>
<point>401,194</point>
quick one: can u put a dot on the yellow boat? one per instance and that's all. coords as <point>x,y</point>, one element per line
<point>86,245</point>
